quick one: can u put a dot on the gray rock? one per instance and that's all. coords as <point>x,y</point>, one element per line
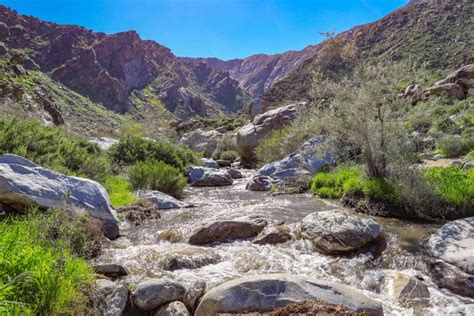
<point>454,244</point>
<point>262,126</point>
<point>24,184</point>
<point>267,292</point>
<point>200,176</point>
<point>189,257</point>
<point>259,183</point>
<point>235,174</point>
<point>202,141</point>
<point>210,163</point>
<point>337,231</point>
<point>104,142</point>
<point>193,295</point>
<point>161,200</point>
<point>224,163</point>
<point>173,309</point>
<point>451,251</point>
<point>273,235</point>
<point>111,270</point>
<point>456,163</point>
<point>114,297</point>
<point>407,290</point>
<point>304,162</point>
<point>451,90</point>
<point>228,230</point>
<point>154,293</point>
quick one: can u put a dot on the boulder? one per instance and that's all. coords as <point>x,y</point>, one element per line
<point>188,257</point>
<point>210,163</point>
<point>224,163</point>
<point>304,162</point>
<point>235,174</point>
<point>451,251</point>
<point>273,235</point>
<point>337,231</point>
<point>463,77</point>
<point>193,295</point>
<point>407,290</point>
<point>173,309</point>
<point>153,293</point>
<point>262,126</point>
<point>104,142</point>
<point>267,292</point>
<point>161,200</point>
<point>111,270</point>
<point>228,230</point>
<point>114,297</point>
<point>24,184</point>
<point>205,177</point>
<point>259,183</point>
<point>451,90</point>
<point>202,141</point>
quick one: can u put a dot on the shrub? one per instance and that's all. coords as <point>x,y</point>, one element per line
<point>39,275</point>
<point>132,149</point>
<point>119,191</point>
<point>376,189</point>
<point>334,184</point>
<point>226,155</point>
<point>456,145</point>
<point>453,185</point>
<point>271,148</point>
<point>49,147</point>
<point>157,175</point>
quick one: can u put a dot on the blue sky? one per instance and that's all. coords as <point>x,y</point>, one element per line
<point>214,28</point>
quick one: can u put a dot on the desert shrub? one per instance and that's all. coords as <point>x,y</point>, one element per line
<point>49,147</point>
<point>271,148</point>
<point>378,189</point>
<point>132,149</point>
<point>454,185</point>
<point>226,155</point>
<point>119,191</point>
<point>470,156</point>
<point>456,145</point>
<point>39,274</point>
<point>157,175</point>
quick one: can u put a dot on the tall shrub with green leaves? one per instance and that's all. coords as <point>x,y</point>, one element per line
<point>157,175</point>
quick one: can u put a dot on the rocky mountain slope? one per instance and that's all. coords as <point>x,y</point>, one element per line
<point>436,33</point>
<point>120,72</point>
<point>258,73</point>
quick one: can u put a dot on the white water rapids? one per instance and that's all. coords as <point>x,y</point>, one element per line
<point>142,249</point>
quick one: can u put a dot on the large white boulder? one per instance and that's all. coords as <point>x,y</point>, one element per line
<point>202,141</point>
<point>266,292</point>
<point>24,184</point>
<point>451,250</point>
<point>153,293</point>
<point>208,177</point>
<point>306,161</point>
<point>262,126</point>
<point>338,231</point>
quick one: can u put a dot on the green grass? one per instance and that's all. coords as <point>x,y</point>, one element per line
<point>119,191</point>
<point>39,275</point>
<point>157,175</point>
<point>333,184</point>
<point>454,185</point>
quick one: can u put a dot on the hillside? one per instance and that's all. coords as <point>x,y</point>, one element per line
<point>119,72</point>
<point>436,33</point>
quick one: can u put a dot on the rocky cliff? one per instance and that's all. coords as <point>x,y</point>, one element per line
<point>120,71</point>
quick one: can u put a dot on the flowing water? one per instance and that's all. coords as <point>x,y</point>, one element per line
<point>144,250</point>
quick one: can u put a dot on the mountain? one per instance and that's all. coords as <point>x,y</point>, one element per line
<point>257,73</point>
<point>436,33</point>
<point>119,72</point>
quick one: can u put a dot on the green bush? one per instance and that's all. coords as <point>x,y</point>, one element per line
<point>49,147</point>
<point>271,148</point>
<point>132,149</point>
<point>334,184</point>
<point>119,191</point>
<point>456,145</point>
<point>454,185</point>
<point>39,275</point>
<point>157,175</point>
<point>381,190</point>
